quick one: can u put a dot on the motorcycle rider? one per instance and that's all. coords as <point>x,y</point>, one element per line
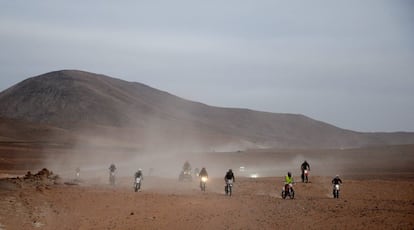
<point>202,173</point>
<point>77,172</point>
<point>289,180</point>
<point>229,176</point>
<point>112,167</point>
<point>336,180</point>
<point>186,172</point>
<point>186,166</point>
<point>196,172</point>
<point>138,174</point>
<point>305,166</point>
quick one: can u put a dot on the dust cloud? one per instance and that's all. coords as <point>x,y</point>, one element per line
<point>160,150</point>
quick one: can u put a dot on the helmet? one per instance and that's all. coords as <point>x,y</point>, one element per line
<point>140,169</point>
<point>337,176</point>
<point>289,174</point>
<point>230,170</point>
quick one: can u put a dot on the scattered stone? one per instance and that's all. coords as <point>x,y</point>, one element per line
<point>40,181</point>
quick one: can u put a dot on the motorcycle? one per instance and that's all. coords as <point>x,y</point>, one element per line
<point>336,191</point>
<point>203,183</point>
<point>185,176</point>
<point>77,175</point>
<point>112,178</point>
<point>137,184</point>
<point>229,187</point>
<point>306,174</point>
<point>287,190</point>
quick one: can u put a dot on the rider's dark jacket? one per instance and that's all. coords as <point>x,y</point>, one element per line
<point>305,166</point>
<point>138,174</point>
<point>336,181</point>
<point>229,176</point>
<point>203,172</point>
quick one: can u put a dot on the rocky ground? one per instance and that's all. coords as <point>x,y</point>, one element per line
<point>44,201</point>
<point>377,193</point>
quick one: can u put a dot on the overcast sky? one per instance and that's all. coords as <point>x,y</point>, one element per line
<point>348,63</point>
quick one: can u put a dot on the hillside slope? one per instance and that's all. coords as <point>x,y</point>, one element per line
<point>78,100</point>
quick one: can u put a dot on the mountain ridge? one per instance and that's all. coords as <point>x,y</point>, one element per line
<point>73,99</point>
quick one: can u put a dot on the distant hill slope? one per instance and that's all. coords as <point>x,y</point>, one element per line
<point>78,100</point>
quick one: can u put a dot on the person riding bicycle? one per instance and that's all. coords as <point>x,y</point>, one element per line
<point>305,166</point>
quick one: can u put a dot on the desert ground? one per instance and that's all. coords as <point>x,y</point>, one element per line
<point>377,191</point>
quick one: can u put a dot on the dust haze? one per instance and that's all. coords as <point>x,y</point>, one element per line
<point>165,203</point>
<point>160,157</point>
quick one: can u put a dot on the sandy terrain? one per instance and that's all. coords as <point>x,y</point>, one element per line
<point>378,192</point>
<point>378,203</point>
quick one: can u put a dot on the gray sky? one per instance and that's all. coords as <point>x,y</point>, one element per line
<point>348,63</point>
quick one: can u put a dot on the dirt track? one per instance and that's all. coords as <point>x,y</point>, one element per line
<point>378,193</point>
<point>168,204</point>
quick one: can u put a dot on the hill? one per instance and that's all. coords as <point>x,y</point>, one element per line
<point>94,105</point>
